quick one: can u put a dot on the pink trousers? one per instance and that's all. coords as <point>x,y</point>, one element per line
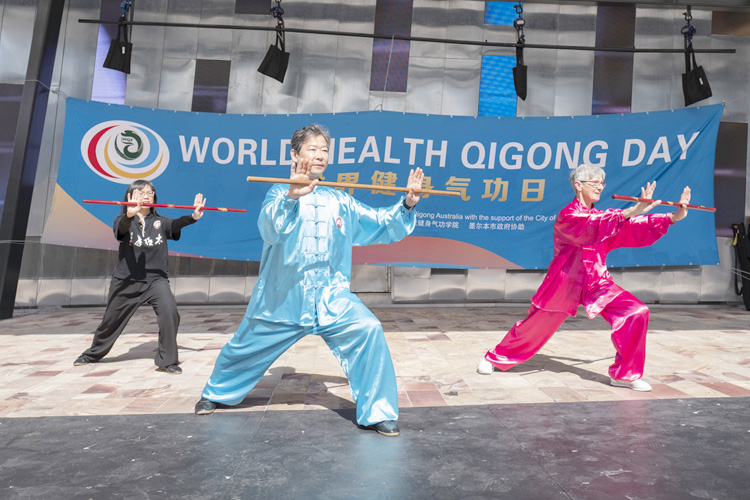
<point>627,315</point>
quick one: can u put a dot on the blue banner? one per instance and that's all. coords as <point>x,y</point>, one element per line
<point>512,175</point>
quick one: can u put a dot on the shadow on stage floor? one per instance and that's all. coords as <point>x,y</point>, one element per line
<point>674,449</point>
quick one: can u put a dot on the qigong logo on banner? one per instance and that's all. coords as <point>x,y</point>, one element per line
<point>123,151</point>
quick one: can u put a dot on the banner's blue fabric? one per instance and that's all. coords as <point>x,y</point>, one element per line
<point>512,173</point>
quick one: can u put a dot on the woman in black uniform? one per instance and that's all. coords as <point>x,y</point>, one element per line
<point>140,276</point>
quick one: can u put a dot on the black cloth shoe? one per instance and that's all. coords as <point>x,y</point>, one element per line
<point>171,369</point>
<point>204,407</point>
<point>84,360</point>
<point>386,428</point>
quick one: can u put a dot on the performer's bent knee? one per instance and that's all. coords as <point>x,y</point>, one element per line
<point>640,311</point>
<point>371,325</point>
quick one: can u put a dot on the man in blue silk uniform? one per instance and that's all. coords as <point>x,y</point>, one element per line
<point>303,287</point>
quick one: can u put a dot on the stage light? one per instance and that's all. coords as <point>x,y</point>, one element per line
<point>519,72</point>
<point>118,56</point>
<point>695,86</point>
<point>277,58</point>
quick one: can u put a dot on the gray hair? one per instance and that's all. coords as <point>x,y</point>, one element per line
<point>584,173</point>
<point>300,136</point>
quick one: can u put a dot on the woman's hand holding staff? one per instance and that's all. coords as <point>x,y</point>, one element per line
<point>669,203</point>
<point>684,200</point>
<point>199,202</point>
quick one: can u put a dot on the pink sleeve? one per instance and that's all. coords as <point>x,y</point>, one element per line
<point>641,231</point>
<point>587,229</point>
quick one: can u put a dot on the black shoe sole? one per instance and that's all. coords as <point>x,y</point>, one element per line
<point>164,370</point>
<point>388,434</point>
<point>382,433</point>
<point>203,410</point>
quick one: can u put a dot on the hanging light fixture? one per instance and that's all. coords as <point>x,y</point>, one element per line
<point>695,85</point>
<point>277,59</point>
<point>519,72</point>
<point>118,56</point>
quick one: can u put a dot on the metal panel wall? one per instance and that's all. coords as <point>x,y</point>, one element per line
<point>350,89</point>
<point>541,27</point>
<point>248,48</point>
<point>331,74</point>
<point>16,28</point>
<point>148,52</point>
<point>318,57</point>
<point>213,43</point>
<point>574,74</point>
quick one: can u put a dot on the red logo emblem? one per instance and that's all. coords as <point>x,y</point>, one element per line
<point>339,222</point>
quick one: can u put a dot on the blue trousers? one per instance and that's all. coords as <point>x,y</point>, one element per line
<point>356,339</point>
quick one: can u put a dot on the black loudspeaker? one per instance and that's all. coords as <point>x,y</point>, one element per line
<point>118,57</point>
<point>519,80</point>
<point>519,75</point>
<point>695,85</point>
<point>276,60</point>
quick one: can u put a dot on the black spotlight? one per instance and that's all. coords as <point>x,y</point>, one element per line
<point>519,72</point>
<point>277,58</point>
<point>519,75</point>
<point>118,56</point>
<point>695,85</point>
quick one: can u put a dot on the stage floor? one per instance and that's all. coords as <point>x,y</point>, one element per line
<point>551,428</point>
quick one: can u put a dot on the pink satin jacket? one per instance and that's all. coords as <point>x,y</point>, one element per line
<point>583,237</point>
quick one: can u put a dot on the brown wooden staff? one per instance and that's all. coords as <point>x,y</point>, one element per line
<point>669,203</point>
<point>350,185</point>
<point>163,205</point>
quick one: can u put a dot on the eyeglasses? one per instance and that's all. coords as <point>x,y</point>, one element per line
<point>147,193</point>
<point>596,184</point>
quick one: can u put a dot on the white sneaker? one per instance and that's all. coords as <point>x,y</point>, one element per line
<point>636,385</point>
<point>485,367</point>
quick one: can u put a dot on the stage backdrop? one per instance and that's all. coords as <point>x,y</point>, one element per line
<point>512,175</point>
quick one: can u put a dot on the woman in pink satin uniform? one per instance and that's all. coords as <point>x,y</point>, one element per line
<point>583,236</point>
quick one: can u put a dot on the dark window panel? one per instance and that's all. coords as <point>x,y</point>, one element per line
<point>613,72</point>
<point>253,6</point>
<point>390,58</point>
<point>729,176</point>
<point>211,86</point>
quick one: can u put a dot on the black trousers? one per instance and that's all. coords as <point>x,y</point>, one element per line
<point>124,299</point>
